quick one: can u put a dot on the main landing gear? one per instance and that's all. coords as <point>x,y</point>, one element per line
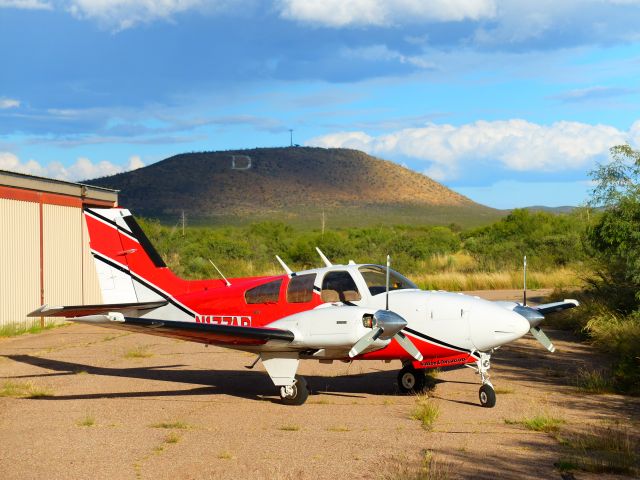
<point>487,394</point>
<point>413,380</point>
<point>295,394</point>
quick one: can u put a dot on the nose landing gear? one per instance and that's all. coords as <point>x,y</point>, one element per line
<point>487,394</point>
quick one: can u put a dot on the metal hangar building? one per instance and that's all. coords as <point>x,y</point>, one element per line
<point>44,246</point>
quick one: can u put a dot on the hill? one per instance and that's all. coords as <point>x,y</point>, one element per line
<point>294,185</point>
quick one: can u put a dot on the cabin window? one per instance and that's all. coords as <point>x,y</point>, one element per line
<point>266,293</point>
<point>300,289</point>
<point>339,287</point>
<point>375,277</point>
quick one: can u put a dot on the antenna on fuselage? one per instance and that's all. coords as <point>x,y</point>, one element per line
<point>524,288</point>
<point>326,261</point>
<point>224,278</point>
<point>284,265</point>
<point>387,284</point>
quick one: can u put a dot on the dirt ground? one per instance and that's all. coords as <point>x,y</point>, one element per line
<point>106,396</point>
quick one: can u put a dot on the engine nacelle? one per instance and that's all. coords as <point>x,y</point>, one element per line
<point>334,327</point>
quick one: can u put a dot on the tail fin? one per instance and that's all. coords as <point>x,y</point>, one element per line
<point>129,269</point>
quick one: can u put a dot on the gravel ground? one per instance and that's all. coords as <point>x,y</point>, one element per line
<point>118,406</point>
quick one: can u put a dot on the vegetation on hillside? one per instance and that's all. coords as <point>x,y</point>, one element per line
<point>433,256</point>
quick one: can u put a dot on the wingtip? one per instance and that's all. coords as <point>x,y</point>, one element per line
<point>572,300</point>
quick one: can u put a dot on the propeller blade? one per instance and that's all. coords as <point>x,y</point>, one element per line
<point>408,346</point>
<point>542,338</point>
<point>362,344</point>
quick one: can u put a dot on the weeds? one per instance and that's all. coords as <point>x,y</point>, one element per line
<point>172,438</point>
<point>339,428</point>
<point>593,381</point>
<point>176,425</point>
<point>289,428</point>
<point>431,468</point>
<point>426,412</point>
<point>23,390</point>
<point>86,421</point>
<point>600,450</point>
<point>539,423</point>
<point>139,352</point>
<point>225,455</point>
<point>13,330</point>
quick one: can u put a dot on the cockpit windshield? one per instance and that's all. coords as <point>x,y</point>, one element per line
<point>375,277</point>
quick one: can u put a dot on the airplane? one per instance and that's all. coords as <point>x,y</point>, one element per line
<point>333,313</point>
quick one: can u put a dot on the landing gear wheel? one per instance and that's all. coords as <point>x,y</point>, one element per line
<point>487,396</point>
<point>295,394</point>
<point>411,380</point>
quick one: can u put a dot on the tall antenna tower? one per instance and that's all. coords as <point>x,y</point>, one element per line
<point>183,220</point>
<point>291,136</point>
<point>323,222</point>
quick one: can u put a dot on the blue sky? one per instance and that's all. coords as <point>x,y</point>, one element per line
<point>511,103</point>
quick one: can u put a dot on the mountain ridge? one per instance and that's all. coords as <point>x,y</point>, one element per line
<point>291,183</point>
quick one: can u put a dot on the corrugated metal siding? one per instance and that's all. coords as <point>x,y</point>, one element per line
<point>92,293</point>
<point>62,229</point>
<point>19,261</point>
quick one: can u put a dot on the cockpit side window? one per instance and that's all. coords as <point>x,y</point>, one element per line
<point>300,289</point>
<point>339,287</point>
<point>375,277</point>
<point>265,293</point>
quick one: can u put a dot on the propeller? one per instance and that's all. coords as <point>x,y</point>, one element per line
<point>535,315</point>
<point>385,325</point>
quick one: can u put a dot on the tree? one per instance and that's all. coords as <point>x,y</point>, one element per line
<point>615,237</point>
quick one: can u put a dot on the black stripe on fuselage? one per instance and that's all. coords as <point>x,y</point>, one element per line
<point>436,341</point>
<point>137,278</point>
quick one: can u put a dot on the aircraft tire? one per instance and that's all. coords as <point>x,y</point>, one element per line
<point>300,392</point>
<point>487,396</point>
<point>411,380</point>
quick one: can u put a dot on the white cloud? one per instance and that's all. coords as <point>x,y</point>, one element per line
<point>123,14</point>
<point>516,145</point>
<point>26,4</point>
<point>341,13</point>
<point>135,162</point>
<point>376,53</point>
<point>8,103</point>
<point>82,169</point>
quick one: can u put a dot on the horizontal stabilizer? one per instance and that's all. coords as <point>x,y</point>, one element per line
<point>85,310</point>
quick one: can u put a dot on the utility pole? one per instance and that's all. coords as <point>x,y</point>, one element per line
<point>323,223</point>
<point>291,136</point>
<point>183,220</point>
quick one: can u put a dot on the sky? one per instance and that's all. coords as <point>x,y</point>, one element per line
<point>511,103</point>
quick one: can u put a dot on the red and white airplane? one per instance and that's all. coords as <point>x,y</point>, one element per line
<point>337,312</point>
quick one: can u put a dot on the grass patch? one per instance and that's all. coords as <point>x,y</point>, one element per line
<point>339,428</point>
<point>23,390</point>
<point>426,412</point>
<point>600,450</point>
<point>86,421</point>
<point>225,455</point>
<point>539,423</point>
<point>504,391</point>
<point>593,381</point>
<point>175,425</point>
<point>431,468</point>
<point>172,438</point>
<point>13,330</point>
<point>289,428</point>
<point>139,352</point>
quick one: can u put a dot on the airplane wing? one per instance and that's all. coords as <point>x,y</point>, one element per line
<point>114,316</point>
<point>207,333</point>
<point>546,308</point>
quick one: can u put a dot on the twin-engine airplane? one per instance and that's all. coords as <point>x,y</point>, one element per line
<point>337,312</point>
